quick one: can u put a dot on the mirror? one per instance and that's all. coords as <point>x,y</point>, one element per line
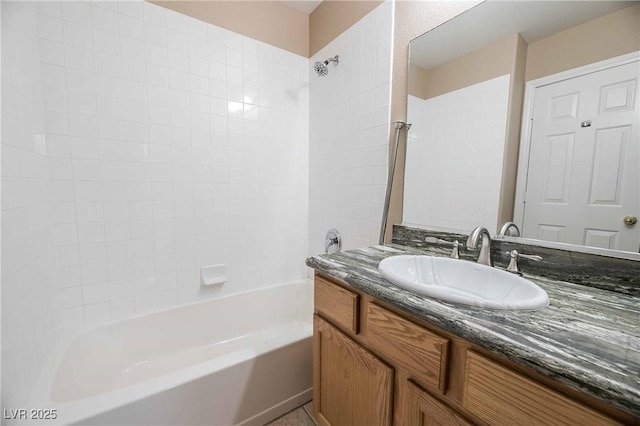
<point>528,112</point>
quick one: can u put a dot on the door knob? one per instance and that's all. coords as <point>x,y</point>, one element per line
<point>630,220</point>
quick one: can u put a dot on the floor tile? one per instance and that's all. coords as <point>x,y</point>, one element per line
<point>308,407</point>
<point>297,417</point>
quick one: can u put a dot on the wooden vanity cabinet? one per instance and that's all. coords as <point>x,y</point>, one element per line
<point>337,304</point>
<point>416,349</point>
<point>351,385</point>
<point>500,396</point>
<point>376,365</point>
<point>422,409</point>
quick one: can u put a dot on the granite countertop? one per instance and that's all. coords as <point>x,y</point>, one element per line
<point>587,338</point>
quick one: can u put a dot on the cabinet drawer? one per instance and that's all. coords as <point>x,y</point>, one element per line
<point>337,304</point>
<point>423,409</point>
<point>501,396</point>
<point>418,350</point>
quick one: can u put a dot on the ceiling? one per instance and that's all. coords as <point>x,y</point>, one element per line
<point>304,6</point>
<point>491,20</point>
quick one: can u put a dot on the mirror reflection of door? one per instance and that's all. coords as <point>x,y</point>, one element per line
<point>453,178</point>
<point>584,161</point>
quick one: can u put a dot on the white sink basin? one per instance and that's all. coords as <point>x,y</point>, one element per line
<point>464,282</point>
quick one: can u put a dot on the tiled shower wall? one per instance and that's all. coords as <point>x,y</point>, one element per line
<point>139,144</point>
<point>29,323</point>
<point>172,144</point>
<point>349,133</point>
<point>473,140</point>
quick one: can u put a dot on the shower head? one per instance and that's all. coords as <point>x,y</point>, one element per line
<point>322,68</point>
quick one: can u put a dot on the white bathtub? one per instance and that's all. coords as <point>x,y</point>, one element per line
<point>242,359</point>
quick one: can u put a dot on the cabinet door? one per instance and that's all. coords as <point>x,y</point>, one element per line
<point>351,387</point>
<point>425,410</point>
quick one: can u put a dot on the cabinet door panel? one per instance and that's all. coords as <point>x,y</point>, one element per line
<point>501,396</point>
<point>351,387</point>
<point>425,410</point>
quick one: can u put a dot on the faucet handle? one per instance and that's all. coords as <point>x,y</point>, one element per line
<point>513,266</point>
<point>455,253</point>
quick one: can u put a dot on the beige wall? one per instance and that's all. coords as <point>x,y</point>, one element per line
<point>606,37</point>
<point>272,22</point>
<point>475,67</point>
<point>332,17</point>
<point>512,137</point>
<point>412,18</point>
<point>417,85</point>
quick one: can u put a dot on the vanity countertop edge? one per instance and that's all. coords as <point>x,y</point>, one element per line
<point>587,338</point>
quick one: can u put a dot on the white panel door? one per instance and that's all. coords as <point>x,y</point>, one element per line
<point>584,161</point>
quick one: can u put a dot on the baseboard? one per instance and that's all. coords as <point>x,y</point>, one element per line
<point>278,410</point>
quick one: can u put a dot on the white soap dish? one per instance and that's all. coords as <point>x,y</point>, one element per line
<point>213,275</point>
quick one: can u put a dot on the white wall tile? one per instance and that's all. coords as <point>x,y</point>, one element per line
<point>104,20</point>
<point>76,11</point>
<point>50,28</point>
<point>349,133</point>
<point>77,33</point>
<point>29,319</point>
<point>73,318</point>
<point>457,209</point>
<point>95,293</point>
<point>97,313</point>
<point>148,174</point>
<point>145,156</point>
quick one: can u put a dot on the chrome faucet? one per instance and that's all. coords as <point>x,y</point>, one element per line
<point>509,229</point>
<point>481,232</point>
